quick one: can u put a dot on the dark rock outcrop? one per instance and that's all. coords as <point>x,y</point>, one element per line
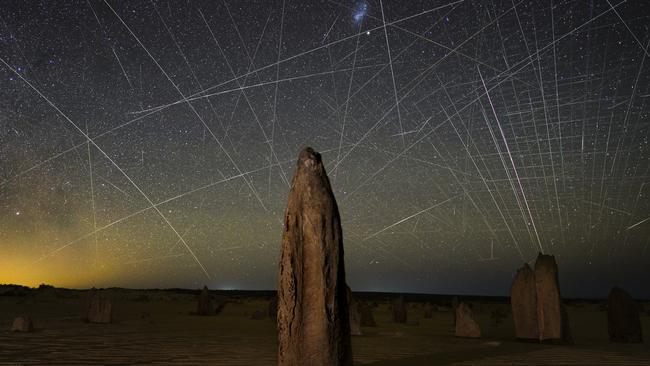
<point>99,309</point>
<point>523,299</point>
<point>205,306</point>
<point>313,315</point>
<point>398,308</point>
<point>466,326</point>
<point>624,324</point>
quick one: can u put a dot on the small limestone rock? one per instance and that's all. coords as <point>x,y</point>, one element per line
<point>466,326</point>
<point>365,313</point>
<point>399,310</point>
<point>205,306</point>
<point>22,324</point>
<point>624,324</point>
<point>218,308</point>
<point>99,309</point>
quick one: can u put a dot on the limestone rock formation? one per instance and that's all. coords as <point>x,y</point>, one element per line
<point>624,324</point>
<point>99,309</point>
<point>313,315</point>
<point>466,326</point>
<point>549,301</point>
<point>399,310</point>
<point>355,317</point>
<point>22,324</point>
<point>205,306</point>
<point>365,313</point>
<point>523,299</point>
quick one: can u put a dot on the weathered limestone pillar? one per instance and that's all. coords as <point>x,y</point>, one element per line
<point>313,323</point>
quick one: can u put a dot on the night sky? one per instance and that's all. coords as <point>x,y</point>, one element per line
<point>152,143</point>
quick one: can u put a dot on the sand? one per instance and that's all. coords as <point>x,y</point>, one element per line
<point>157,328</point>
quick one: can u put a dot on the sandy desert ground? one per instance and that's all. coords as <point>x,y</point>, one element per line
<point>156,328</point>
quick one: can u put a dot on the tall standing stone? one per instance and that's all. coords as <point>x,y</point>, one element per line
<point>624,324</point>
<point>313,324</point>
<point>523,299</point>
<point>465,325</point>
<point>549,301</point>
<point>205,306</point>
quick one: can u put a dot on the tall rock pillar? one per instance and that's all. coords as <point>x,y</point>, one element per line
<point>313,318</point>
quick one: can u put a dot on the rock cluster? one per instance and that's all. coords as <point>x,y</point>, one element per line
<point>537,307</point>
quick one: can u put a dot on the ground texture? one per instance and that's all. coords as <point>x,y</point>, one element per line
<point>157,329</point>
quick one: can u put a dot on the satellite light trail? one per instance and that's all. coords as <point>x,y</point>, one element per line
<point>152,144</point>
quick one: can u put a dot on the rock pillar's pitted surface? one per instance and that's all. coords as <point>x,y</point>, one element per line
<point>549,301</point>
<point>523,298</point>
<point>313,319</point>
<point>466,326</point>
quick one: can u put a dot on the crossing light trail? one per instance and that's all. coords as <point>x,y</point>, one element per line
<point>514,168</point>
<point>198,116</point>
<point>446,142</point>
<point>410,217</point>
<point>90,141</point>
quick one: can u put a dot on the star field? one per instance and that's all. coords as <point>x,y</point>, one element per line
<point>152,143</point>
